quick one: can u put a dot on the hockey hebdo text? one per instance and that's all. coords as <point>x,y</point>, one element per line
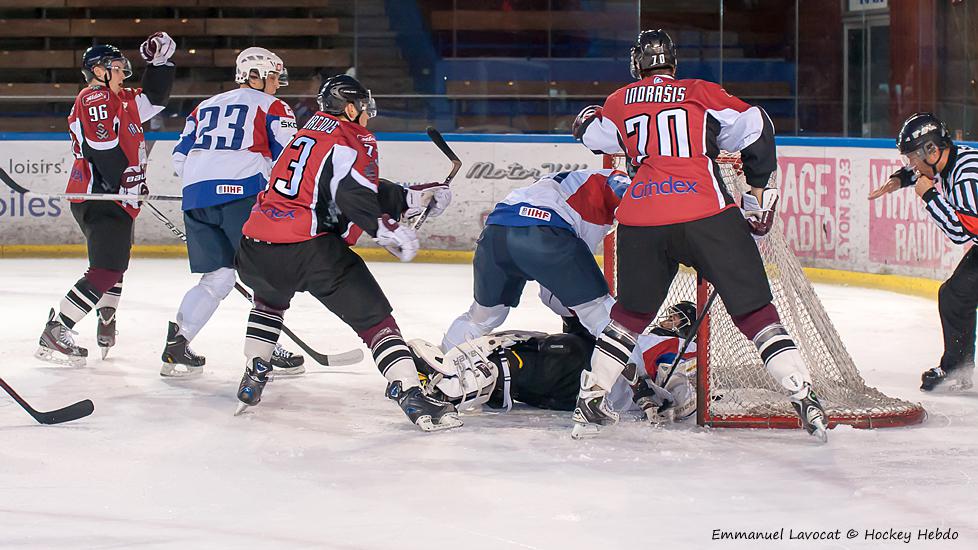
<point>871,534</point>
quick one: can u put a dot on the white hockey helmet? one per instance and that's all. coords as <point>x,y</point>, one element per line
<point>261,61</point>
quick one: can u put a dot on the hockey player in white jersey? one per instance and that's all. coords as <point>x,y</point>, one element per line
<point>224,157</point>
<point>546,232</point>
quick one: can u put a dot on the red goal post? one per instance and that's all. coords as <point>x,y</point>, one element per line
<point>733,388</point>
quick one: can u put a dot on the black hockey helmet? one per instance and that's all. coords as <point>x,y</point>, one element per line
<point>686,311</point>
<point>340,90</point>
<point>102,56</point>
<point>920,130</point>
<point>653,50</point>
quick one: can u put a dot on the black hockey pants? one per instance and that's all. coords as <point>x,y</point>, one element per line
<point>957,301</point>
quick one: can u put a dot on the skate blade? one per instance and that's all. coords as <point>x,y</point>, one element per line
<point>447,422</point>
<point>287,371</point>
<point>104,350</point>
<point>58,358</point>
<point>584,431</point>
<point>821,432</point>
<point>242,407</point>
<point>172,370</point>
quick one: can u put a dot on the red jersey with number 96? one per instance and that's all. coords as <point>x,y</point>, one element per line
<point>674,130</point>
<point>327,161</point>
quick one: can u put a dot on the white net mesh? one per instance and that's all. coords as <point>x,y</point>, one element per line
<point>734,388</point>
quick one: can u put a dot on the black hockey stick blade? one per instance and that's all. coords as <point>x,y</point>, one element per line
<point>351,357</point>
<point>74,411</point>
<point>11,183</point>
<point>439,142</point>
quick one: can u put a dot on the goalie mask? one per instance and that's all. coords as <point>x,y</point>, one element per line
<point>678,319</point>
<point>261,62</point>
<point>464,376</point>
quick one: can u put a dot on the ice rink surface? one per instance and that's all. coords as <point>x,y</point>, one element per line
<point>326,462</point>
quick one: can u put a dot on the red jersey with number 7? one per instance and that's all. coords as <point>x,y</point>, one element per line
<point>324,181</point>
<point>673,131</point>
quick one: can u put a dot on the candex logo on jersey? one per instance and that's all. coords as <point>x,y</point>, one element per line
<point>668,186</point>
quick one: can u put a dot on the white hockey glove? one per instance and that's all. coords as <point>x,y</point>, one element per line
<point>399,240</point>
<point>760,215</point>
<point>418,197</point>
<point>135,191</point>
<point>464,376</point>
<point>157,49</point>
<point>655,402</point>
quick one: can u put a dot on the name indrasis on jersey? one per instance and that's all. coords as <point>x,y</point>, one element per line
<point>655,94</point>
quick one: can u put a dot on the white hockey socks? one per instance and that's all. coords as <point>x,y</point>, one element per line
<point>264,327</point>
<point>394,359</point>
<point>782,358</point>
<point>596,314</point>
<point>111,297</point>
<point>611,352</point>
<point>201,301</point>
<point>478,321</point>
<point>77,303</point>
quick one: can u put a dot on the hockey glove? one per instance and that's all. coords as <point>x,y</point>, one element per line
<point>906,175</point>
<point>654,401</point>
<point>135,191</point>
<point>583,119</point>
<point>760,216</point>
<point>157,49</point>
<point>399,240</point>
<point>418,197</point>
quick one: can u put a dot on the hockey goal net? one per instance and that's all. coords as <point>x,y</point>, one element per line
<point>733,388</point>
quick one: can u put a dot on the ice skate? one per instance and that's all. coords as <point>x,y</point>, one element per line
<point>105,336</point>
<point>951,380</point>
<point>284,362</point>
<point>592,412</point>
<point>424,411</point>
<point>252,384</point>
<point>179,361</point>
<point>57,345</point>
<point>813,417</point>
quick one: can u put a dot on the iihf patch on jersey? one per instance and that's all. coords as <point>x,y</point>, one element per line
<point>535,213</point>
<point>135,129</point>
<point>230,190</point>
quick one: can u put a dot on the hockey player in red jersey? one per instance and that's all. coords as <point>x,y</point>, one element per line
<point>106,128</point>
<point>678,210</point>
<point>323,192</point>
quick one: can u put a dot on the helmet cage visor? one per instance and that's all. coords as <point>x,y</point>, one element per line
<point>921,153</point>
<point>110,63</point>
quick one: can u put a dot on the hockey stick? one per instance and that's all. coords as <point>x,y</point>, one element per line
<point>327,360</point>
<point>85,196</point>
<point>75,411</point>
<point>692,332</point>
<point>439,141</point>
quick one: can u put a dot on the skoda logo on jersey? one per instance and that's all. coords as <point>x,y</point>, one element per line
<point>668,186</point>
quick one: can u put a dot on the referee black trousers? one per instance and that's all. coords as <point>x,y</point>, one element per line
<point>957,301</point>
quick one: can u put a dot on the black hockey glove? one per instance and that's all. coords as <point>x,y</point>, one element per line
<point>906,175</point>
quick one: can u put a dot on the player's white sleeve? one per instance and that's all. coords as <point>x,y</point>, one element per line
<point>601,136</point>
<point>186,142</point>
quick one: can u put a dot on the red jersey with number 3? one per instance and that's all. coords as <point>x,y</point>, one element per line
<point>101,120</point>
<point>674,130</point>
<point>328,161</point>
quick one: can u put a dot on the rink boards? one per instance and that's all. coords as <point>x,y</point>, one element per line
<point>824,182</point>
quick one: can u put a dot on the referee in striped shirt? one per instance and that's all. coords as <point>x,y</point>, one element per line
<point>930,156</point>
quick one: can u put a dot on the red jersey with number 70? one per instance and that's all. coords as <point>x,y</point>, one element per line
<point>673,131</point>
<point>324,181</point>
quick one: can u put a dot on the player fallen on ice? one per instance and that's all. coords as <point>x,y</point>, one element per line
<point>545,232</point>
<point>224,157</point>
<point>324,191</point>
<point>544,370</point>
<point>931,158</point>
<point>106,128</point>
<point>678,210</point>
